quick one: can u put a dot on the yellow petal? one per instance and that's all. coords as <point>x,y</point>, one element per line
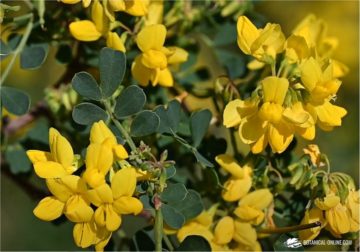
<point>124,183</point>
<point>151,37</point>
<point>231,115</point>
<point>102,240</point>
<point>154,59</point>
<point>329,201</point>
<point>100,195</point>
<point>49,169</point>
<point>99,157</point>
<point>120,152</point>
<point>245,234</point>
<point>137,7</point>
<point>86,3</point>
<point>338,219</point>
<point>247,33</point>
<point>251,129</point>
<point>113,220</point>
<point>255,64</point>
<point>114,41</point>
<point>37,156</point>
<point>339,69</point>
<point>275,89</point>
<point>311,73</point>
<point>99,17</point>
<point>128,205</point>
<point>260,144</point>
<point>49,209</point>
<point>84,30</point>
<point>100,132</point>
<point>84,234</point>
<point>165,78</point>
<point>352,203</point>
<point>297,115</point>
<point>59,189</point>
<point>74,183</point>
<point>94,178</point>
<point>249,214</point>
<point>229,164</point>
<point>155,12</point>
<point>178,55</point>
<point>306,133</point>
<point>194,228</point>
<point>235,189</point>
<point>329,114</point>
<point>206,217</point>
<point>117,5</point>
<point>140,73</point>
<point>280,136</point>
<point>224,230</point>
<point>296,48</point>
<point>258,199</point>
<point>60,148</point>
<point>70,1</point>
<point>77,210</point>
<point>100,216</point>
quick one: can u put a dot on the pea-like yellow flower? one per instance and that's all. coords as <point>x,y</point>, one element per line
<point>251,206</point>
<point>313,215</point>
<point>239,184</point>
<point>152,65</point>
<point>224,230</point>
<point>94,29</point>
<point>353,205</point>
<point>260,43</point>
<point>69,197</point>
<point>101,134</point>
<point>113,201</point>
<point>58,162</point>
<point>246,237</point>
<point>322,87</point>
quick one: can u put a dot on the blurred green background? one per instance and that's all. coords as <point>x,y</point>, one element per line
<point>20,230</point>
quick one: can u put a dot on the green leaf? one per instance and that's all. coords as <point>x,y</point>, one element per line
<point>199,124</point>
<point>191,206</point>
<point>145,123</point>
<point>287,243</point>
<point>87,113</point>
<point>169,118</point>
<point>130,101</point>
<point>85,85</point>
<point>194,243</point>
<point>15,101</point>
<point>202,160</point>
<point>172,217</point>
<point>5,50</point>
<point>170,172</point>
<point>39,132</point>
<point>112,65</point>
<point>33,56</point>
<point>174,192</point>
<point>17,159</point>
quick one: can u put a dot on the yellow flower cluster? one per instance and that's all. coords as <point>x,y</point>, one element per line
<point>103,22</point>
<point>234,231</point>
<point>297,96</point>
<point>94,201</point>
<point>337,217</point>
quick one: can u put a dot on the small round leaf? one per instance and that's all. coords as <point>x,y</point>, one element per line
<point>32,57</point>
<point>172,217</point>
<point>145,123</point>
<point>14,100</point>
<point>87,113</point>
<point>85,85</point>
<point>130,101</point>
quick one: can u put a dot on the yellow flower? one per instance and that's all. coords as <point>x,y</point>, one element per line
<point>239,184</point>
<point>101,134</point>
<point>117,200</point>
<point>311,216</point>
<point>296,49</point>
<point>314,152</point>
<point>260,43</point>
<point>94,29</point>
<point>251,206</point>
<point>152,65</point>
<point>268,125</point>
<point>85,3</point>
<point>69,198</point>
<point>58,162</point>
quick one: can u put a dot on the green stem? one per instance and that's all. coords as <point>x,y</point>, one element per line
<point>18,50</point>
<point>168,242</point>
<point>289,229</point>
<point>120,127</point>
<point>158,230</point>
